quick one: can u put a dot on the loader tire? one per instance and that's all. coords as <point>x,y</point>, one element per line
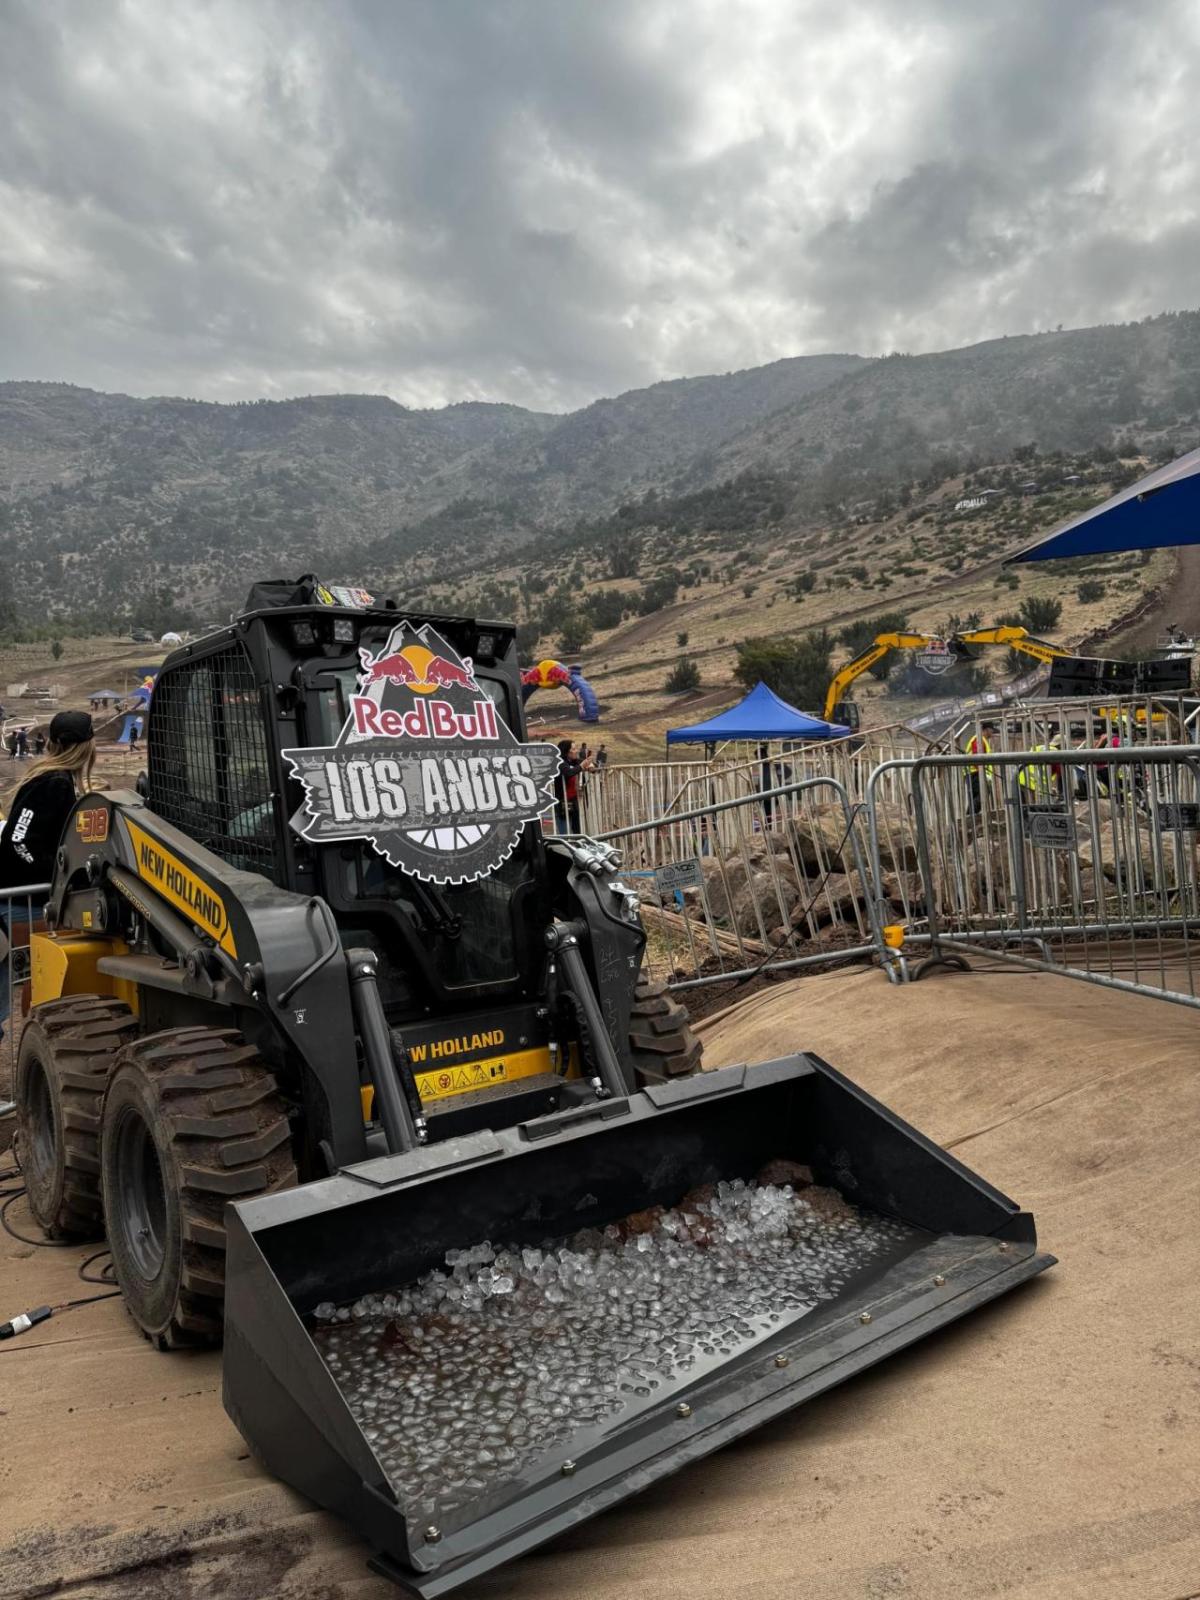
<point>192,1119</point>
<point>661,1040</point>
<point>69,1049</point>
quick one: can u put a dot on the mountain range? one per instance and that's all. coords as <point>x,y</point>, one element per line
<point>106,498</point>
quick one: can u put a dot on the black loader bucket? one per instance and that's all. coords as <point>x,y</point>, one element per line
<point>468,1348</point>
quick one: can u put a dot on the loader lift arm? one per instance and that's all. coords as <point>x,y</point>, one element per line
<point>1015,638</point>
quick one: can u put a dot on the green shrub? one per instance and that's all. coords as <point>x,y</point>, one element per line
<point>685,675</point>
<point>1040,613</point>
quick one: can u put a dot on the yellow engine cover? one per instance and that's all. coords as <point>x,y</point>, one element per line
<point>67,964</point>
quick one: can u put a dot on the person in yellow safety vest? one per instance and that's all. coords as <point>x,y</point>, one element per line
<point>977,745</point>
<point>1039,783</point>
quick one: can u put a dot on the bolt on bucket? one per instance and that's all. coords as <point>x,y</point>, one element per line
<point>469,1348</point>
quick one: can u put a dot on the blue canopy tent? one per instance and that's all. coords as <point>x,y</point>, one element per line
<point>1160,510</point>
<point>760,718</point>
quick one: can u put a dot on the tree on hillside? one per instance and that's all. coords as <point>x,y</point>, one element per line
<point>56,649</point>
<point>659,592</point>
<point>1039,613</point>
<point>683,676</point>
<point>577,634</point>
<point>606,607</point>
<point>624,558</point>
<point>797,669</point>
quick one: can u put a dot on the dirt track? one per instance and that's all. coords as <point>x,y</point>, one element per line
<point>1046,1449</point>
<point>1181,606</point>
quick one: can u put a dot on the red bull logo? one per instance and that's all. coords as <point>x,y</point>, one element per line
<point>425,768</point>
<point>419,669</point>
<point>396,668</point>
<point>428,719</point>
<point>546,674</point>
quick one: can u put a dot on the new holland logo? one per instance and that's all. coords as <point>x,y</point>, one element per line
<point>425,767</point>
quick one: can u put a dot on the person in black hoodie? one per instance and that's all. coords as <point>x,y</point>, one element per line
<point>36,817</point>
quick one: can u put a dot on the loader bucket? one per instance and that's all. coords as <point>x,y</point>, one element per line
<point>580,1342</point>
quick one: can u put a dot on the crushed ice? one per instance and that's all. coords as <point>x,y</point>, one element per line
<point>472,1374</point>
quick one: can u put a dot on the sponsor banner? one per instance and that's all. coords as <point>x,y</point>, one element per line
<point>425,768</point>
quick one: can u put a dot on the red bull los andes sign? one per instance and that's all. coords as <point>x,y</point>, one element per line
<point>425,767</point>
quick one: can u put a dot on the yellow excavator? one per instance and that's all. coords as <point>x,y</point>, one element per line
<point>954,649</point>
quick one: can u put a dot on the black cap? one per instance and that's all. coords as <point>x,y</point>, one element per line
<point>70,727</point>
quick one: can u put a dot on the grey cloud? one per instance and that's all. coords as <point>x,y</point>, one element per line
<point>540,201</point>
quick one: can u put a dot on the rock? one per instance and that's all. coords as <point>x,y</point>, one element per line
<point>769,885</point>
<point>818,837</point>
<point>896,846</point>
<point>765,901</point>
<point>839,895</point>
<point>1121,855</point>
<point>902,891</point>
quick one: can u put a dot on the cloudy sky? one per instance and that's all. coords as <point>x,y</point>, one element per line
<point>543,201</point>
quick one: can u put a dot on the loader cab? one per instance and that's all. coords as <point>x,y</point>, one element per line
<point>224,710</point>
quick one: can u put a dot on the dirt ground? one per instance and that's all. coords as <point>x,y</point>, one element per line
<point>1181,607</point>
<point>1047,1448</point>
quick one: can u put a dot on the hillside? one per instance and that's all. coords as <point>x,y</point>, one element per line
<point>115,509</point>
<point>98,490</point>
<point>1066,391</point>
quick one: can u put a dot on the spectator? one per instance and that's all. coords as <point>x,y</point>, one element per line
<point>133,738</point>
<point>981,743</point>
<point>602,757</point>
<point>566,787</point>
<point>39,742</point>
<point>22,743</point>
<point>39,811</point>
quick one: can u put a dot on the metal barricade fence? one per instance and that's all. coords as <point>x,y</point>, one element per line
<point>773,881</point>
<point>1079,861</point>
<point>20,909</point>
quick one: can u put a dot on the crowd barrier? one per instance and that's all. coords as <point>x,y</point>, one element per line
<point>776,880</point>
<point>20,909</point>
<point>1084,862</point>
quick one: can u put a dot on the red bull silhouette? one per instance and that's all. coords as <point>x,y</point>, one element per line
<point>444,673</point>
<point>395,668</point>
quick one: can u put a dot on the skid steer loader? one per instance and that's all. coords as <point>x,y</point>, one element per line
<point>355,1067</point>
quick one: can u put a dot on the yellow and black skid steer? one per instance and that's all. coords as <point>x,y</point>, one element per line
<point>356,1067</point>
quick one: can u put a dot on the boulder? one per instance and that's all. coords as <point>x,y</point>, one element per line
<point>897,848</point>
<point>837,897</point>
<point>1120,853</point>
<point>902,891</point>
<point>732,891</point>
<point>765,901</point>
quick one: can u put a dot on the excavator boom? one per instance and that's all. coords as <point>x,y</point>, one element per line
<point>1016,638</point>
